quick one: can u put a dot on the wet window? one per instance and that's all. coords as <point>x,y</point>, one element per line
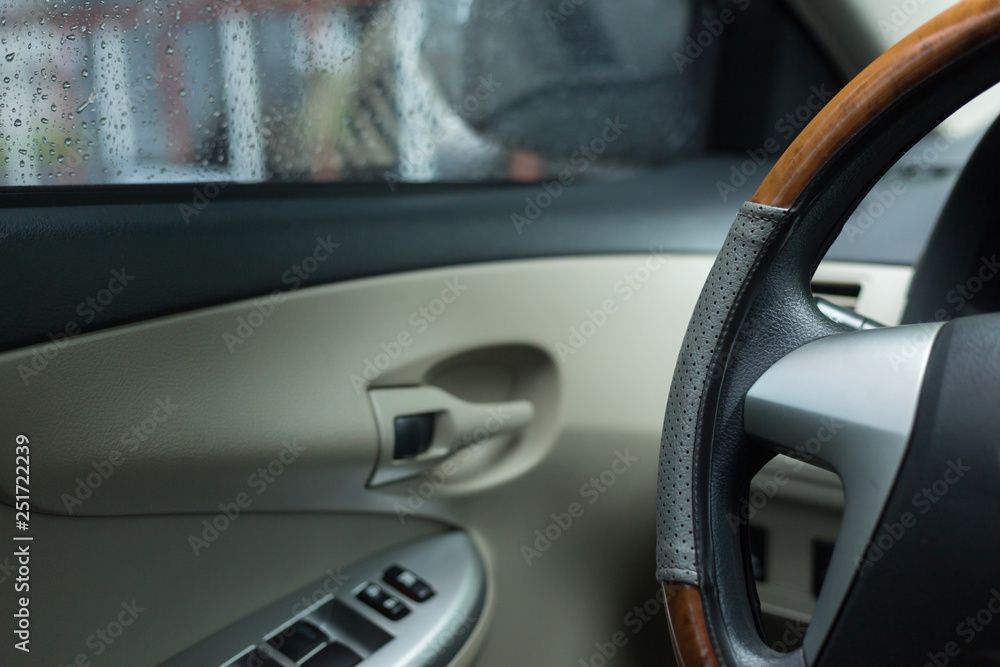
<point>357,90</point>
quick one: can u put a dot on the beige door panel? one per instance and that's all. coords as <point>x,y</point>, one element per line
<point>135,409</point>
<point>563,510</point>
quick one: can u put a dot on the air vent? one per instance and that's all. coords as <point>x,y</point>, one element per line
<point>843,294</point>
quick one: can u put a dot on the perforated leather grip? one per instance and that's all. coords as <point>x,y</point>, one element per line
<point>697,364</point>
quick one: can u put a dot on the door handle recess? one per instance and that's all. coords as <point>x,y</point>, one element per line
<point>443,423</point>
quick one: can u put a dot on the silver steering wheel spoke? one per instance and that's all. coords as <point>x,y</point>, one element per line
<point>848,403</point>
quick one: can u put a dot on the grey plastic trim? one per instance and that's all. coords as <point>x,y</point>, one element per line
<point>249,241</point>
<point>54,257</point>
<point>847,402</point>
<point>430,636</point>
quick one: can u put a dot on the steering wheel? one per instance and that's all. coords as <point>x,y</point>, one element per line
<point>908,416</point>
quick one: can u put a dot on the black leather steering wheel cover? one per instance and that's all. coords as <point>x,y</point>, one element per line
<point>776,301</point>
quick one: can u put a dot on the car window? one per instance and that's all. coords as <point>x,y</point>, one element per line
<point>396,90</point>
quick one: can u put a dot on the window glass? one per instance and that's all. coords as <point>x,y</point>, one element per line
<point>355,90</point>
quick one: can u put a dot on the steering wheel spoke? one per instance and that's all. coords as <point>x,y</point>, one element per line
<point>846,402</point>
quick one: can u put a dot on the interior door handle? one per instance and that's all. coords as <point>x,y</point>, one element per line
<point>441,423</point>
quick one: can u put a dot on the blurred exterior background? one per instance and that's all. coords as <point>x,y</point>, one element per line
<point>351,90</point>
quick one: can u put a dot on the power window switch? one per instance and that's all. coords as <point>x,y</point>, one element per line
<point>256,658</point>
<point>385,604</point>
<point>408,584</point>
<point>334,655</point>
<point>299,640</point>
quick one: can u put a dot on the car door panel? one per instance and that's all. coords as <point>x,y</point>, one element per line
<point>545,506</point>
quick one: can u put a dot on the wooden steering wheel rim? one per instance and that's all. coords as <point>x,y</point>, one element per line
<point>940,42</point>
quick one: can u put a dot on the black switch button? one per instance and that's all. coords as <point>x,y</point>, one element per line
<point>298,640</point>
<point>334,655</point>
<point>408,584</point>
<point>255,658</point>
<point>385,604</point>
<point>414,434</point>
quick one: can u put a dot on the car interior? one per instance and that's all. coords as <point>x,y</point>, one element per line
<point>479,333</point>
